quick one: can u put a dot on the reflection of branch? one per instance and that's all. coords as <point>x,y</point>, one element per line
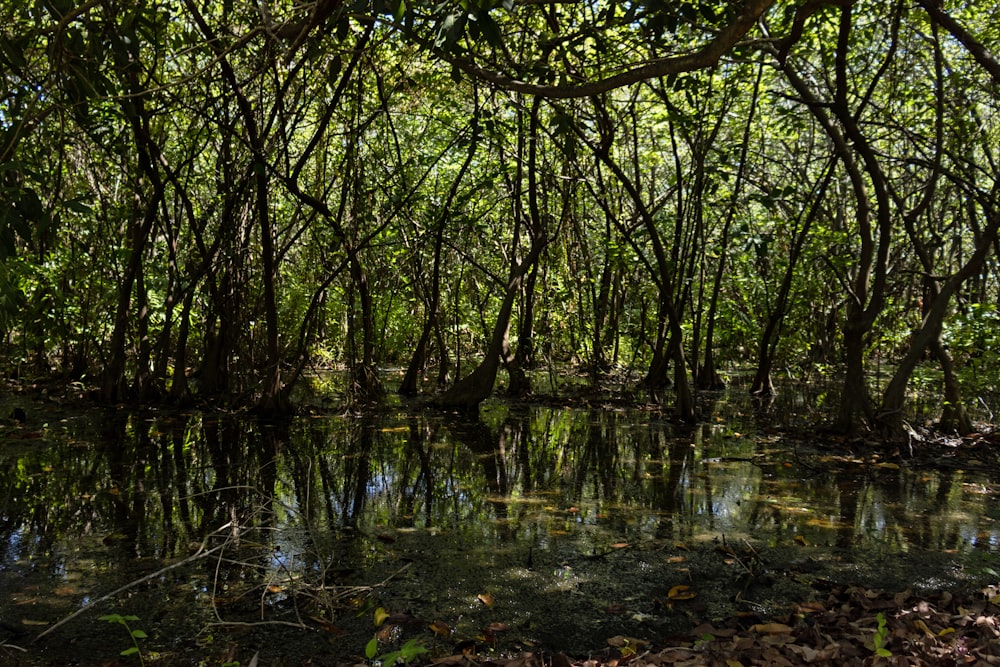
<point>200,553</point>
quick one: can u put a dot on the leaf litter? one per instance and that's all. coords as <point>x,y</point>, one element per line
<point>845,626</point>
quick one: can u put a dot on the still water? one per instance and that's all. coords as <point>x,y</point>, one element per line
<point>528,528</point>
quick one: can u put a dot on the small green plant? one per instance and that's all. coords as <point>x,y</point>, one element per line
<point>406,653</point>
<point>881,638</point>
<point>134,633</point>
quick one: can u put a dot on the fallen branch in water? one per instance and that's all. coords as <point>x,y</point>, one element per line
<point>202,552</point>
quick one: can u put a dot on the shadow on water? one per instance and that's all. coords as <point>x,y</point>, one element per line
<point>530,526</point>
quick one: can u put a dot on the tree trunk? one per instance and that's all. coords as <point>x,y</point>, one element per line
<point>928,335</point>
<point>473,389</point>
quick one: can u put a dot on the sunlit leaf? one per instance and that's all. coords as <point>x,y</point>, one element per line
<point>380,615</point>
<point>681,592</point>
<point>801,540</point>
<point>920,625</point>
<point>733,663</point>
<point>440,628</point>
<point>486,599</point>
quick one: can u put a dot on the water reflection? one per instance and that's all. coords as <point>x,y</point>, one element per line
<point>521,500</point>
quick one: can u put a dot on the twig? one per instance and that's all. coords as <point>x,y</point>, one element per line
<point>201,553</point>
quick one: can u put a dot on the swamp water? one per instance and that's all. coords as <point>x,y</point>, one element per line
<point>529,528</point>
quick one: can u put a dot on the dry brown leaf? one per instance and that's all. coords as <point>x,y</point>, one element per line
<point>440,628</point>
<point>681,592</point>
<point>771,628</point>
<point>486,599</point>
<point>326,625</point>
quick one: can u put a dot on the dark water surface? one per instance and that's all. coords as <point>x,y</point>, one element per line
<point>528,528</point>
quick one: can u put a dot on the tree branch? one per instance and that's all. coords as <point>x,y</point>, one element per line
<point>975,48</point>
<point>707,56</point>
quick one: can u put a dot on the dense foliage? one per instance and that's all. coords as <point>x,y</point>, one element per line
<point>206,200</point>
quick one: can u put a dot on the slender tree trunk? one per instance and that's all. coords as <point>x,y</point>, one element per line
<point>670,337</point>
<point>408,387</point>
<point>180,392</point>
<point>762,385</point>
<point>522,359</point>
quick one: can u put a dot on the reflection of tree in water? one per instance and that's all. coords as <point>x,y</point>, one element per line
<point>673,456</point>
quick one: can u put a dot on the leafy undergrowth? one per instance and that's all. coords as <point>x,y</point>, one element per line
<point>850,626</point>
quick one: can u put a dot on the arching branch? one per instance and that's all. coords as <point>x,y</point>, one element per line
<point>975,48</point>
<point>705,57</point>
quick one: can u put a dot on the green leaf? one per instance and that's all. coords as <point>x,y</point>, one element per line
<point>139,634</point>
<point>371,648</point>
<point>129,651</point>
<point>489,29</point>
<point>883,653</point>
<point>77,206</point>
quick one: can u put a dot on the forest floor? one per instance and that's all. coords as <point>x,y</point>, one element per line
<point>847,626</point>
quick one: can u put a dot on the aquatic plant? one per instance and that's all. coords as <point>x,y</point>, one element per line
<point>135,634</point>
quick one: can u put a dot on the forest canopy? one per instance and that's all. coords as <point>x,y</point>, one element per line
<point>206,201</point>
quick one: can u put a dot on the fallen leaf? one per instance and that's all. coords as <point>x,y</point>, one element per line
<point>771,628</point>
<point>801,540</point>
<point>676,559</point>
<point>440,628</point>
<point>326,625</point>
<point>811,607</point>
<point>681,592</point>
<point>486,599</point>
